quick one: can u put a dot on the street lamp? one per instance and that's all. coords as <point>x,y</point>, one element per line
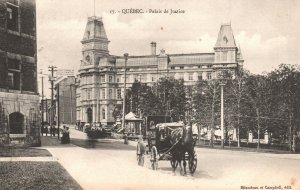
<point>222,83</point>
<point>124,98</point>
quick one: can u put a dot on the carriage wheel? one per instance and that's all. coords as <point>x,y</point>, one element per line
<point>174,164</point>
<point>193,162</point>
<point>154,158</point>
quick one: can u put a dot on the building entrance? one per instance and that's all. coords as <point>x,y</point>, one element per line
<point>89,115</point>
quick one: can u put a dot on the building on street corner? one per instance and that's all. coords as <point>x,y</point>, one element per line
<point>19,100</point>
<point>67,99</point>
<point>101,75</point>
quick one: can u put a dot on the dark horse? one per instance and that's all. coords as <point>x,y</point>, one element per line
<point>182,139</point>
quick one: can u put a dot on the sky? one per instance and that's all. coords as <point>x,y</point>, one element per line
<point>267,31</point>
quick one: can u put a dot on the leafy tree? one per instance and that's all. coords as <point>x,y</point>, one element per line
<point>286,101</point>
<point>236,94</point>
<point>206,104</point>
<point>171,96</point>
<point>258,100</point>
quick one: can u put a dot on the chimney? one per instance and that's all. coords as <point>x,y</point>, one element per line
<point>153,48</point>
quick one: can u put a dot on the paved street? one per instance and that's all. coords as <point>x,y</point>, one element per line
<point>112,165</point>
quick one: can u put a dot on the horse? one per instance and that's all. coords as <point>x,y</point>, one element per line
<point>182,139</point>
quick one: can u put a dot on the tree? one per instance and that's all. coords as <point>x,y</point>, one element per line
<point>258,99</point>
<point>141,100</point>
<point>286,99</point>
<point>236,97</point>
<point>205,101</point>
<point>171,97</point>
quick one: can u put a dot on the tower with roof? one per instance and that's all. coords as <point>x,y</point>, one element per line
<point>96,74</point>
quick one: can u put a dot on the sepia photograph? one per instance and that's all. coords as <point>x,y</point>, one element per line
<point>149,95</point>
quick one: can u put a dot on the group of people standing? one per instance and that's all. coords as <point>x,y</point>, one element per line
<point>65,139</point>
<point>45,130</point>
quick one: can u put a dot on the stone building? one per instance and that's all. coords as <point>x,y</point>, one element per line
<point>101,75</point>
<point>18,77</point>
<point>67,99</point>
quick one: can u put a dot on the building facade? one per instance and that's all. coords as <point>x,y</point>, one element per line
<point>64,72</point>
<point>101,75</point>
<point>66,100</point>
<point>18,73</point>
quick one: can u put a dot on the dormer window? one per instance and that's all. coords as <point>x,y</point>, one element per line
<point>225,39</point>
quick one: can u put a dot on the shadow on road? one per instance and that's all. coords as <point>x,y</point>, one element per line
<point>101,144</point>
<point>197,175</point>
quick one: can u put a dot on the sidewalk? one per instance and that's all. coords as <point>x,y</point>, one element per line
<point>291,156</point>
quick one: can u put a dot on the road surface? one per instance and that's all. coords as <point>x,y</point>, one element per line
<point>112,165</point>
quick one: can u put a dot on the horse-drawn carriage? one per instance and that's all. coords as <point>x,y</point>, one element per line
<point>173,142</point>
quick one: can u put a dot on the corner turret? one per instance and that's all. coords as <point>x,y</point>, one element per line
<point>94,42</point>
<point>225,48</point>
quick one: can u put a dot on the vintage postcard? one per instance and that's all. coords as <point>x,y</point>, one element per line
<point>136,94</point>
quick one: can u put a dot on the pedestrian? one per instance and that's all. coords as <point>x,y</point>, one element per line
<point>63,138</point>
<point>67,135</point>
<point>140,151</point>
<point>42,130</point>
<point>46,130</point>
<point>53,130</point>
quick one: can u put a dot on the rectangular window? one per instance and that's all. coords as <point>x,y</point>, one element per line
<point>180,75</point>
<point>218,56</point>
<point>103,78</point>
<point>10,80</point>
<point>153,79</point>
<point>110,79</point>
<point>208,76</point>
<point>190,76</point>
<point>119,94</point>
<point>209,66</point>
<point>172,67</point>
<point>110,94</point>
<point>103,94</point>
<point>103,113</point>
<point>225,56</point>
<point>199,67</point>
<point>118,79</point>
<point>200,76</point>
<point>88,94</point>
<point>12,17</point>
<point>182,67</point>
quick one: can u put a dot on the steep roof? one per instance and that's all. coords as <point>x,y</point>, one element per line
<point>94,29</point>
<point>180,59</point>
<point>225,37</point>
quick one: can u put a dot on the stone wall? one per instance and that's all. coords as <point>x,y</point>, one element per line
<point>28,106</point>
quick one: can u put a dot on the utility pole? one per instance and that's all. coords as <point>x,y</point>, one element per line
<point>222,115</point>
<point>42,106</point>
<point>124,98</point>
<point>52,69</point>
<point>222,83</point>
<point>71,103</point>
<point>43,97</point>
<point>58,118</point>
